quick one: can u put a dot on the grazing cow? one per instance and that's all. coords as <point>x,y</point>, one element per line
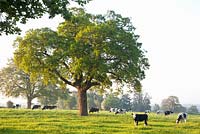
<point>168,112</point>
<point>158,112</point>
<point>147,111</point>
<point>120,111</point>
<point>140,117</point>
<point>36,107</point>
<point>113,109</point>
<point>16,106</point>
<point>181,117</point>
<point>49,107</point>
<point>93,109</point>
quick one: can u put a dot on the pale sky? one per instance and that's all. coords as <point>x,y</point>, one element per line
<point>169,31</point>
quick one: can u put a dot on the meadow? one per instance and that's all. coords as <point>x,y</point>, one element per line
<point>23,121</point>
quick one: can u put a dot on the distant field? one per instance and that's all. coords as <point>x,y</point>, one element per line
<point>22,121</point>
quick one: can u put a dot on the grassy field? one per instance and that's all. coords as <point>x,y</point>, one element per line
<point>19,121</point>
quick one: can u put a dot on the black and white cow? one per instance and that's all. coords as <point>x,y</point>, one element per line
<point>36,107</point>
<point>49,107</point>
<point>120,111</point>
<point>168,112</point>
<point>93,109</point>
<point>140,117</point>
<point>17,106</point>
<point>113,109</point>
<point>181,117</point>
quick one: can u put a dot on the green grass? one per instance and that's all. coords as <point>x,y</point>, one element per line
<point>22,121</point>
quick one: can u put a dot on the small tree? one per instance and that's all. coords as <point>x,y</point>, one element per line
<point>193,109</point>
<point>169,103</point>
<point>111,101</point>
<point>141,102</point>
<point>15,82</point>
<point>94,99</point>
<point>125,102</point>
<point>9,104</point>
<point>155,108</point>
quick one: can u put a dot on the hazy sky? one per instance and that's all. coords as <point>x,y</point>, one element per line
<point>169,31</point>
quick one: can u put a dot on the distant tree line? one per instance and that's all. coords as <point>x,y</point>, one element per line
<point>172,103</point>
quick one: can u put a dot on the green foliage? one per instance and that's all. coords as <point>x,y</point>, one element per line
<point>86,51</point>
<point>65,122</point>
<point>13,11</point>
<point>111,101</point>
<point>67,101</point>
<point>51,93</point>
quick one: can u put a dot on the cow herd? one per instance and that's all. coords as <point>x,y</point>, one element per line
<point>44,107</point>
<point>143,117</point>
<point>136,117</point>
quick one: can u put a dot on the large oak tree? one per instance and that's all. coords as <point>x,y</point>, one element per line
<point>86,51</point>
<point>13,11</point>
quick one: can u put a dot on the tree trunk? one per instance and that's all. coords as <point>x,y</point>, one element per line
<point>29,100</point>
<point>82,102</point>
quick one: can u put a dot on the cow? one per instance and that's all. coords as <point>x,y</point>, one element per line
<point>93,109</point>
<point>120,111</point>
<point>147,111</point>
<point>159,111</point>
<point>36,107</point>
<point>49,107</point>
<point>168,112</point>
<point>140,117</point>
<point>17,106</point>
<point>113,109</point>
<point>181,117</point>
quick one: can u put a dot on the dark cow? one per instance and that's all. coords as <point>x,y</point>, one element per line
<point>93,109</point>
<point>36,107</point>
<point>168,112</point>
<point>49,107</point>
<point>140,117</point>
<point>181,117</point>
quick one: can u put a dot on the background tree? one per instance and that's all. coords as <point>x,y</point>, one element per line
<point>9,104</point>
<point>169,103</point>
<point>179,108</point>
<point>111,101</point>
<point>155,107</point>
<point>193,109</point>
<point>125,102</point>
<point>15,82</point>
<point>94,99</point>
<point>86,51</point>
<point>67,101</point>
<point>141,102</point>
<point>51,93</point>
<point>13,11</point>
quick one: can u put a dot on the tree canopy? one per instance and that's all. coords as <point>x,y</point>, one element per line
<point>13,11</point>
<point>86,51</point>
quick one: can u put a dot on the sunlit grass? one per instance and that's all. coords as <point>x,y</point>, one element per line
<point>22,121</point>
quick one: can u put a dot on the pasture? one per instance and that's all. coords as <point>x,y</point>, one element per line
<point>23,121</point>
